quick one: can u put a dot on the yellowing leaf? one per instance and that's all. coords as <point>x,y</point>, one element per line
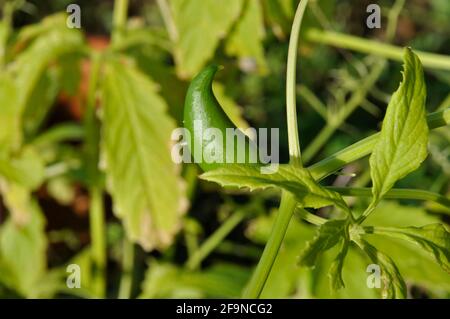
<point>402,145</point>
<point>142,178</point>
<point>198,26</point>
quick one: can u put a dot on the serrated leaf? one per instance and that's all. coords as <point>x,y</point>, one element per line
<point>246,39</point>
<point>434,239</point>
<point>143,180</point>
<point>328,235</point>
<point>198,26</point>
<point>335,272</point>
<point>402,145</point>
<point>296,180</point>
<point>394,286</point>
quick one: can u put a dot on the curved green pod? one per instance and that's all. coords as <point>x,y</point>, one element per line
<point>202,112</point>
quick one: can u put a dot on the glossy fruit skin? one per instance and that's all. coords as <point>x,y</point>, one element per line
<point>201,105</point>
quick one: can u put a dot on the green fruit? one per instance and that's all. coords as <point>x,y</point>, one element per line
<point>202,111</point>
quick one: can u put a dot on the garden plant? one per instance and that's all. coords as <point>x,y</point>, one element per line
<point>93,204</point>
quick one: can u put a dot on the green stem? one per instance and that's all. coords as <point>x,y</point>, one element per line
<point>126,281</point>
<point>98,242</point>
<point>262,271</point>
<point>120,15</point>
<point>214,240</point>
<point>394,193</point>
<point>364,147</point>
<point>291,104</point>
<point>288,203</point>
<point>96,211</point>
<point>340,40</point>
<point>311,218</point>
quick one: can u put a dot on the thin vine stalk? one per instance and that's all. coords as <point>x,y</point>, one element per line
<point>288,204</point>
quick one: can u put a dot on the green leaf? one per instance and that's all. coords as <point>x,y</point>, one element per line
<point>394,286</point>
<point>245,40</point>
<point>416,265</point>
<point>354,272</point>
<point>337,282</point>
<point>402,145</point>
<point>143,180</point>
<point>296,180</point>
<point>197,28</point>
<point>434,239</point>
<point>328,235</point>
<point>23,253</point>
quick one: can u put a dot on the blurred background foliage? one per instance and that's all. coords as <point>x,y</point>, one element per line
<point>67,157</point>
